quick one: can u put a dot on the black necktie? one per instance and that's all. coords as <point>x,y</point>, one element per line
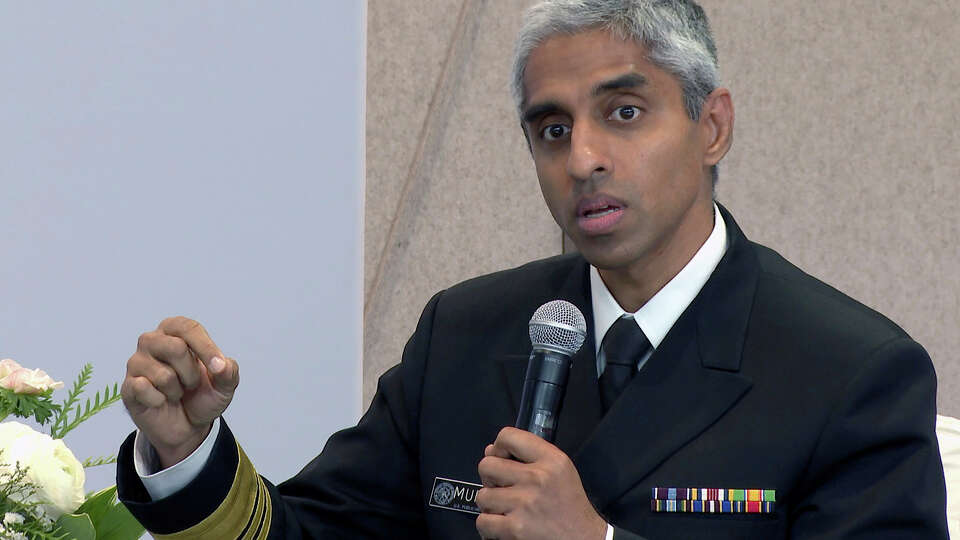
<point>623,347</point>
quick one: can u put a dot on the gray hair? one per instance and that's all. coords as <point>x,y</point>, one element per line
<point>676,34</point>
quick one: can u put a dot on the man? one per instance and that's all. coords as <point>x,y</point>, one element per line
<point>722,393</point>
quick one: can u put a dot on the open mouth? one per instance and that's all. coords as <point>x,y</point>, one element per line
<point>599,215</point>
<point>604,210</point>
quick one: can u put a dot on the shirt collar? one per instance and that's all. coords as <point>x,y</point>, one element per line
<point>658,315</point>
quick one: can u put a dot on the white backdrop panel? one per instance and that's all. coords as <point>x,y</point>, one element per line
<point>195,158</point>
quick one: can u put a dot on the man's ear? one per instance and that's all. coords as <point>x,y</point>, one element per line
<point>716,122</point>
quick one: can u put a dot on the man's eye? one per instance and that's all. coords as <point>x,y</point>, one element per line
<point>554,132</point>
<point>627,113</point>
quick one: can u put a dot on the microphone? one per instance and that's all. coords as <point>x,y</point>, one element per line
<point>557,331</point>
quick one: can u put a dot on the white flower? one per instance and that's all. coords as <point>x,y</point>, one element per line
<point>25,381</point>
<point>8,534</point>
<point>12,517</point>
<point>8,366</point>
<point>51,466</point>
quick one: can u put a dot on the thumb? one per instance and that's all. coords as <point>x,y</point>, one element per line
<point>224,374</point>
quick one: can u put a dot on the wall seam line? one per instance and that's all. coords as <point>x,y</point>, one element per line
<point>418,155</point>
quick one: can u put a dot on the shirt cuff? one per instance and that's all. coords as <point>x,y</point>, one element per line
<point>166,482</point>
<point>609,532</point>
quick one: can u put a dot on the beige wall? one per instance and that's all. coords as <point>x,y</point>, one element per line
<point>846,157</point>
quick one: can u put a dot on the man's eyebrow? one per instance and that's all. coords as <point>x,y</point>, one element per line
<point>627,81</point>
<point>540,109</point>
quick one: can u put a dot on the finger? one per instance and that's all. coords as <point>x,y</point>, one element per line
<point>227,378</point>
<point>498,500</point>
<point>196,337</point>
<point>492,450</point>
<point>522,445</point>
<point>499,472</point>
<point>492,526</point>
<point>139,393</point>
<point>174,352</point>
<point>165,379</point>
<point>222,371</point>
<point>160,374</point>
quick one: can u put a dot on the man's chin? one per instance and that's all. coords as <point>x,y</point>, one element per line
<point>603,257</point>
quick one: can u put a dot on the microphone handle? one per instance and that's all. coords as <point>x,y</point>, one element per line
<point>543,388</point>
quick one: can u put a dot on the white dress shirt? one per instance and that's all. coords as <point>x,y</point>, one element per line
<point>658,315</point>
<point>655,318</point>
<point>163,483</point>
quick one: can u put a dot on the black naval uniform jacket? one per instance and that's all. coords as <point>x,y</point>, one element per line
<point>769,380</point>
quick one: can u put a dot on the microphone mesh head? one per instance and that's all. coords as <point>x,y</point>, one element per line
<point>558,325</point>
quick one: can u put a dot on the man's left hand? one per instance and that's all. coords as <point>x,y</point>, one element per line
<point>532,491</point>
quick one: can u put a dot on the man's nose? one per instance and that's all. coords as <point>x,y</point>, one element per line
<point>589,157</point>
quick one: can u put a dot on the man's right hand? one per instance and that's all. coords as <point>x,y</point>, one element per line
<point>178,382</point>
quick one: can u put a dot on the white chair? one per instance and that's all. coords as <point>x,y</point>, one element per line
<point>948,436</point>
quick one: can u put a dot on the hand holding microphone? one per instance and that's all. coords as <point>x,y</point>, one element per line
<point>531,488</point>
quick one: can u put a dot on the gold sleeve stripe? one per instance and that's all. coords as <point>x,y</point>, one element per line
<point>259,526</point>
<point>253,523</point>
<point>244,513</point>
<point>268,513</point>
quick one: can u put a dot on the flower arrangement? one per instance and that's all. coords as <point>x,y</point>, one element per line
<point>41,481</point>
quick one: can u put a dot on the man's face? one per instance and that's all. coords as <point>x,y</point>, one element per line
<point>621,165</point>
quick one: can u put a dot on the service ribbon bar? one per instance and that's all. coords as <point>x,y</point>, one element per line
<point>713,500</point>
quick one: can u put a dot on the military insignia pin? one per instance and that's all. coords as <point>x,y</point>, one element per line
<point>713,500</point>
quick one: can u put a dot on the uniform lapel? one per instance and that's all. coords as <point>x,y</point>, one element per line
<point>581,404</point>
<point>514,369</point>
<point>691,380</point>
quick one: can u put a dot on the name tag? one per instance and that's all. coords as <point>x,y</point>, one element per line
<point>455,495</point>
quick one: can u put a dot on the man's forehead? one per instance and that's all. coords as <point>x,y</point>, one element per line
<point>584,64</point>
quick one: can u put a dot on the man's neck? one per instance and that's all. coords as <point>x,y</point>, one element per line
<point>632,286</point>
